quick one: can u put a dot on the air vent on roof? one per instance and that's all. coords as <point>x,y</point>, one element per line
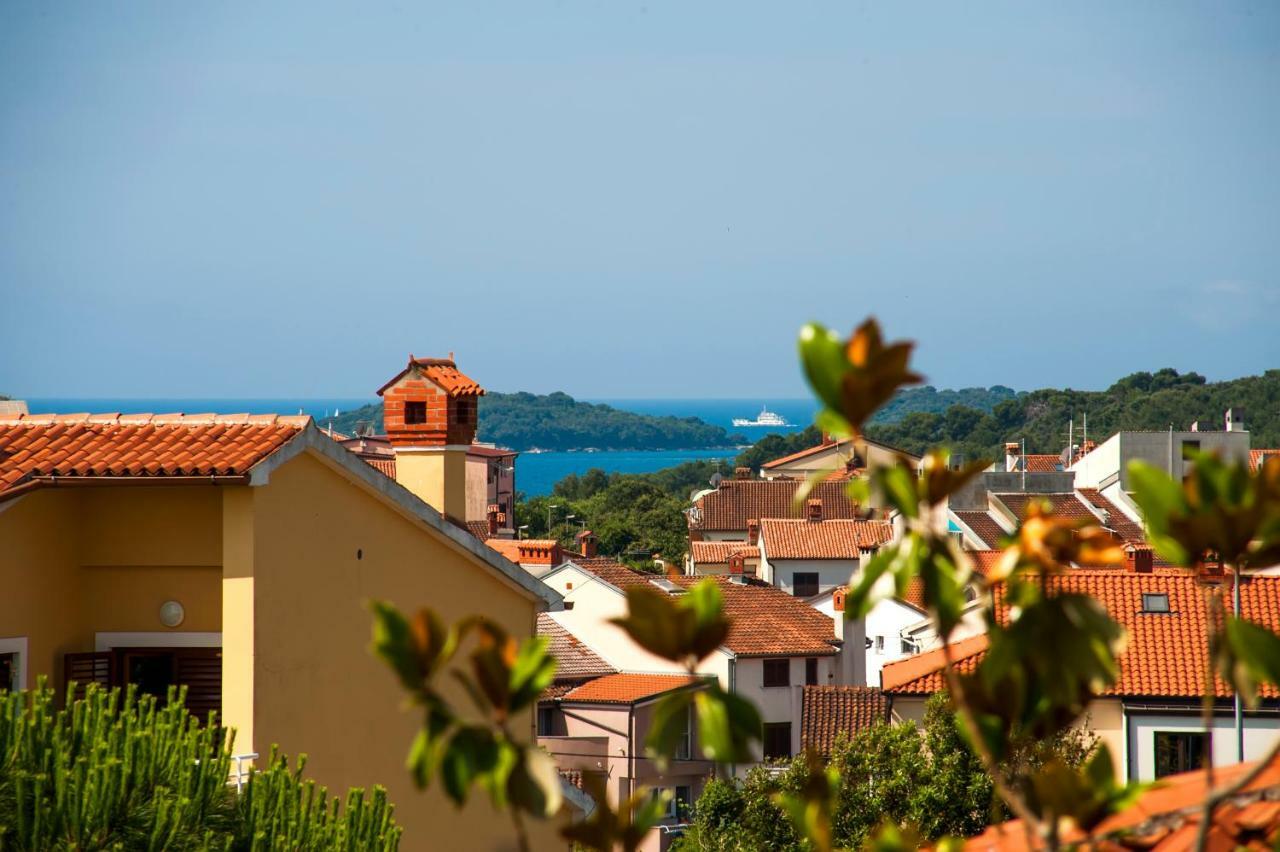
<point>1155,602</point>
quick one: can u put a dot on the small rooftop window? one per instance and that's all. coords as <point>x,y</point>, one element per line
<point>1155,602</point>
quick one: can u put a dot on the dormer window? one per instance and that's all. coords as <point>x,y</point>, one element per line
<point>1155,602</point>
<point>415,412</point>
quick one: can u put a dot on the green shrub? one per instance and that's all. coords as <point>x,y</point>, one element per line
<point>120,770</point>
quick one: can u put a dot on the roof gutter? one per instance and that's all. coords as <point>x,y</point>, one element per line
<point>34,483</point>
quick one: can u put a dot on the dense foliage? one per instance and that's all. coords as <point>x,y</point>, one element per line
<point>557,421</point>
<point>1138,401</point>
<point>930,400</point>
<point>120,771</point>
<point>923,778</point>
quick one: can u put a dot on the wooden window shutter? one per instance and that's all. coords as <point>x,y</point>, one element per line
<point>84,669</point>
<point>200,671</point>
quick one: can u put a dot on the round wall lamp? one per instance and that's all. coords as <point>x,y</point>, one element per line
<point>172,613</point>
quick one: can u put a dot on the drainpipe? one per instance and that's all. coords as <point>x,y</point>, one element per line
<point>733,688</point>
<point>1235,602</point>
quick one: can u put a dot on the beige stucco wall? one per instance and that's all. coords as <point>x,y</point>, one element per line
<point>80,561</point>
<point>321,547</point>
<point>437,476</point>
<point>1105,718</point>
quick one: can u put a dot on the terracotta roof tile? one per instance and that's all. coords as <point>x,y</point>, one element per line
<point>1065,505</point>
<point>614,573</point>
<point>826,539</point>
<point>828,711</point>
<point>1166,818</point>
<point>527,551</point>
<point>1116,520</point>
<point>1256,457</point>
<point>714,552</point>
<point>140,445</point>
<point>443,372</point>
<point>768,622</point>
<point>1165,654</point>
<point>803,454</point>
<point>1042,462</point>
<point>574,659</point>
<point>983,526</point>
<point>628,688</point>
<point>736,501</point>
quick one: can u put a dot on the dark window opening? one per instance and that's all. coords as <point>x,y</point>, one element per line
<point>804,584</point>
<point>546,721</point>
<point>1178,752</point>
<point>777,740</point>
<point>777,672</point>
<point>8,671</point>
<point>811,671</point>
<point>415,412</point>
<point>1155,602</point>
<point>683,801</point>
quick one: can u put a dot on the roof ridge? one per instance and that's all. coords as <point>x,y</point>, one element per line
<point>176,418</point>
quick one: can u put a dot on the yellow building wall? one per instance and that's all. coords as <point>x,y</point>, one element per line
<point>322,547</point>
<point>438,477</point>
<point>80,561</point>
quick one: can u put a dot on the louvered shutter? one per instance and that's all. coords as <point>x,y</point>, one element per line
<point>87,668</point>
<point>200,671</point>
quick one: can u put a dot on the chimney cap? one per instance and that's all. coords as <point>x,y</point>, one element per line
<point>742,473</point>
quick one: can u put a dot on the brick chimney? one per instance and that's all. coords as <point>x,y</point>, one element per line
<point>1209,568</point>
<point>737,564</point>
<point>813,509</point>
<point>742,473</point>
<point>1138,558</point>
<point>753,532</point>
<point>492,513</point>
<point>588,544</point>
<point>429,412</point>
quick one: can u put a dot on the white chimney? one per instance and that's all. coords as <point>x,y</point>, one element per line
<point>1235,420</point>
<point>1012,456</point>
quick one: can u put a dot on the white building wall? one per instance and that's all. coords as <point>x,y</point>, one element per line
<point>831,572</point>
<point>886,625</point>
<point>1260,733</point>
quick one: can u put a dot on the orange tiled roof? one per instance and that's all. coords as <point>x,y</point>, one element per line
<point>983,560</point>
<point>1065,505</point>
<point>983,526</point>
<point>138,445</point>
<point>1165,654</point>
<point>828,711</point>
<point>628,688</point>
<point>614,573</point>
<point>714,552</point>
<point>443,372</point>
<point>1256,457</point>
<point>1116,519</point>
<point>1166,818</point>
<point>768,622</point>
<point>574,659</point>
<point>805,453</point>
<point>826,539</point>
<point>1042,462</point>
<point>736,501</point>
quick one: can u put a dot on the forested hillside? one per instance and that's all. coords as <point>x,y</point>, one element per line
<point>929,399</point>
<point>557,421</point>
<point>1138,401</point>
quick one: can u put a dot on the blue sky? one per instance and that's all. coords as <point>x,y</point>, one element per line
<point>631,199</point>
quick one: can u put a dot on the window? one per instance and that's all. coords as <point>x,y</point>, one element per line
<point>907,646</point>
<point>879,644</point>
<point>9,671</point>
<point>1177,751</point>
<point>684,745</point>
<point>546,721</point>
<point>811,671</point>
<point>681,799</point>
<point>777,672</point>
<point>415,412</point>
<point>804,584</point>
<point>1155,602</point>
<point>777,740</point>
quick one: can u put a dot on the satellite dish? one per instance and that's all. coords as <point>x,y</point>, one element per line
<point>716,479</point>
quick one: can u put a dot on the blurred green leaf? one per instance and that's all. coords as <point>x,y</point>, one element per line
<point>727,725</point>
<point>471,752</point>
<point>681,628</point>
<point>855,377</point>
<point>393,643</point>
<point>428,745</point>
<point>1248,655</point>
<point>811,807</point>
<point>670,722</point>
<point>534,784</point>
<point>534,670</point>
<point>607,830</point>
